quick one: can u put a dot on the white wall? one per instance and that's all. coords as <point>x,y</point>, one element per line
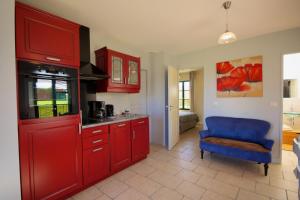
<point>271,47</point>
<point>9,155</point>
<point>159,63</point>
<point>198,93</point>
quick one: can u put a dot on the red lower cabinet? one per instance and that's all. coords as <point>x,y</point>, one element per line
<point>120,143</point>
<point>95,164</point>
<point>140,139</point>
<point>51,159</point>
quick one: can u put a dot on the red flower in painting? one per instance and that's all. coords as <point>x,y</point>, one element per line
<point>254,72</point>
<point>228,83</point>
<point>239,72</point>
<point>224,67</point>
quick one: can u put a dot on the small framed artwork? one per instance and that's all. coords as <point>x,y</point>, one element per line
<point>240,78</point>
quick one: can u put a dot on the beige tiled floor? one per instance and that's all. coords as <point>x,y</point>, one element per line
<point>180,174</point>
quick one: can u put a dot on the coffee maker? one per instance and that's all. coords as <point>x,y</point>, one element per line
<point>96,109</point>
<point>109,108</point>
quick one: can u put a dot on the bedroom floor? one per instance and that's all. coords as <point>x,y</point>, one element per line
<point>181,174</point>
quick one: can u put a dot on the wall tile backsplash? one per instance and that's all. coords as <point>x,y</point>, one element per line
<point>135,103</point>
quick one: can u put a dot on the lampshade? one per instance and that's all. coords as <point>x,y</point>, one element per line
<point>227,37</point>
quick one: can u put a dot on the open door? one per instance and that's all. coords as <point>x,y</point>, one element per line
<point>172,111</point>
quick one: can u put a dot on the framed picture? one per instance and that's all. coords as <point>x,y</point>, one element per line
<point>240,78</point>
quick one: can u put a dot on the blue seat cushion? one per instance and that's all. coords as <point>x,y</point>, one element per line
<point>240,153</point>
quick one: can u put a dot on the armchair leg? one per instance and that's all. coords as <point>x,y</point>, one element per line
<point>266,166</point>
<point>202,153</point>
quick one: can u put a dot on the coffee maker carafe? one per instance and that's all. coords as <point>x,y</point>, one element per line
<point>109,110</point>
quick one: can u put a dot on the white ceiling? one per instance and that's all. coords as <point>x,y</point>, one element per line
<point>175,26</point>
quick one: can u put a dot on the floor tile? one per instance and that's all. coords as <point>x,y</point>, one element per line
<point>103,197</point>
<point>271,191</point>
<point>184,164</point>
<point>292,195</point>
<point>132,194</point>
<point>124,175</point>
<point>258,177</point>
<point>188,175</point>
<point>190,190</point>
<point>143,185</point>
<point>209,195</point>
<point>236,181</point>
<point>218,186</point>
<point>246,195</point>
<point>142,169</point>
<point>205,171</point>
<point>166,194</point>
<point>284,184</point>
<point>88,194</point>
<point>113,188</point>
<point>167,180</point>
<point>227,168</point>
<point>163,166</point>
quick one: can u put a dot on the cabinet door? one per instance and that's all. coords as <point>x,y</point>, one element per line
<point>95,164</point>
<point>140,139</point>
<point>44,37</point>
<point>51,159</point>
<point>120,141</point>
<point>116,69</point>
<point>133,73</point>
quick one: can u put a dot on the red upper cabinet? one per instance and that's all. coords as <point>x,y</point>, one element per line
<point>140,138</point>
<point>120,144</point>
<point>51,159</point>
<point>133,80</point>
<point>124,71</point>
<point>44,37</point>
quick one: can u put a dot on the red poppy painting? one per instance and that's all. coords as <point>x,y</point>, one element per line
<point>240,78</point>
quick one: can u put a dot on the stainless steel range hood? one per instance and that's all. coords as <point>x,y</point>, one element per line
<point>88,71</point>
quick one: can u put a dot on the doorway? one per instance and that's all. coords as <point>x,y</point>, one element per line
<point>190,100</point>
<point>291,100</point>
<point>184,104</point>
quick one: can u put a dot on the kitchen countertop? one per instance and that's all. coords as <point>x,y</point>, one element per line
<point>116,119</point>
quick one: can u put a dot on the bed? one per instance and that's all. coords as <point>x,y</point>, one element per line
<point>187,120</point>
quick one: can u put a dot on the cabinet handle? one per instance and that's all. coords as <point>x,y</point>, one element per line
<point>96,141</point>
<point>98,149</point>
<point>97,131</point>
<point>120,125</point>
<point>141,122</point>
<point>79,128</point>
<point>53,59</point>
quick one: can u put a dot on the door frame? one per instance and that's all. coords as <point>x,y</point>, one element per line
<point>281,102</point>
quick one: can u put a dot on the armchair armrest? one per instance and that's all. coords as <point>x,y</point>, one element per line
<point>267,143</point>
<point>204,134</point>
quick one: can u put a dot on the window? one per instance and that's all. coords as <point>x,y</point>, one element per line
<point>184,95</point>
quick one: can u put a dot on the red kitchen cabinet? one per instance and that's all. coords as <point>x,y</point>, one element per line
<point>124,71</point>
<point>140,139</point>
<point>120,146</point>
<point>50,159</point>
<point>95,164</point>
<point>43,37</point>
<point>96,154</point>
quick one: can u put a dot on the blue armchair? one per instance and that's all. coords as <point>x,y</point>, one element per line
<point>239,138</point>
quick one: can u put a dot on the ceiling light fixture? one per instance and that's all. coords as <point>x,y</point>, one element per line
<point>228,36</point>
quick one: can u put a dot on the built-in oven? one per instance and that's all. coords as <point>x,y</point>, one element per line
<point>46,90</point>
